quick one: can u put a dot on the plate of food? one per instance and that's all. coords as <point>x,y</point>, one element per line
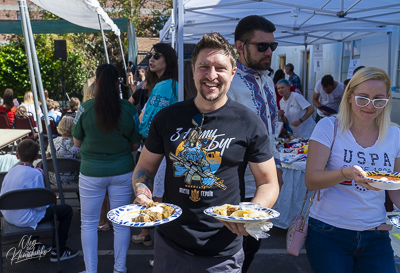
<point>384,180</point>
<point>395,221</point>
<point>242,213</point>
<point>153,214</point>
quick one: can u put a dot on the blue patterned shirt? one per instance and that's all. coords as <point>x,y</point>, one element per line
<point>295,80</point>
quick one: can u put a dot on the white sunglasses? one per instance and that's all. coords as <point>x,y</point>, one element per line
<point>377,103</point>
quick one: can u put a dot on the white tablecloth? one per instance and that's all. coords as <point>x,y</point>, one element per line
<point>291,197</point>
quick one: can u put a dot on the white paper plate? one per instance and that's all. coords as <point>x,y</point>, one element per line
<point>382,183</point>
<point>123,216</point>
<point>271,214</point>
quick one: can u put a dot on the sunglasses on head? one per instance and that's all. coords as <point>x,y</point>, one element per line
<point>155,55</point>
<point>262,47</point>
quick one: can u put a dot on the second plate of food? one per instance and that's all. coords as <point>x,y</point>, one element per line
<point>384,180</point>
<point>134,215</point>
<point>236,214</point>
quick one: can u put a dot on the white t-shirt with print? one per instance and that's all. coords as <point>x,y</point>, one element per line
<point>332,99</point>
<point>348,205</point>
<point>295,107</point>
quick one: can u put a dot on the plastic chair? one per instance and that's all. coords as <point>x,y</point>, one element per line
<point>26,199</point>
<point>24,122</point>
<point>64,165</point>
<point>4,121</point>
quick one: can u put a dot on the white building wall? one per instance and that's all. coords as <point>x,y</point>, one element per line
<point>374,52</point>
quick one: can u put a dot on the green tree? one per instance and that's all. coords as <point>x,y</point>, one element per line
<point>14,70</point>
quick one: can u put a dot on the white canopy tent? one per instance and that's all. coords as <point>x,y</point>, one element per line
<point>85,13</point>
<point>298,22</point>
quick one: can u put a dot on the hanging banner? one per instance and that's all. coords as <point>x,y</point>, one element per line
<point>317,57</point>
<point>353,64</point>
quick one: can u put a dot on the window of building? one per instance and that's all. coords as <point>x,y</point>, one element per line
<point>351,50</point>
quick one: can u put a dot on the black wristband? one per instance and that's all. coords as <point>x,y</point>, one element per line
<point>301,121</point>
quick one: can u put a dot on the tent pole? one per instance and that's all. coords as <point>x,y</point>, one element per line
<point>30,67</point>
<point>32,79</point>
<point>180,49</point>
<point>123,57</point>
<point>30,46</point>
<point>389,34</point>
<point>104,39</point>
<point>173,25</point>
<point>305,91</point>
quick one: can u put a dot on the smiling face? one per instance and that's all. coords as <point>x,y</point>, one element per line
<point>212,74</point>
<point>157,66</point>
<point>249,54</point>
<point>372,89</point>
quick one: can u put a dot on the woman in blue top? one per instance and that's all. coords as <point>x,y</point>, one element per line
<point>162,82</point>
<point>105,130</point>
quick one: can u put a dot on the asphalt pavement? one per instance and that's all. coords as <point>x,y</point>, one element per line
<point>272,256</point>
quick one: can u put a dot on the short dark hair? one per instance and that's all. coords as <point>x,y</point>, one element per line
<point>27,150</point>
<point>358,68</point>
<point>247,25</point>
<point>290,66</point>
<point>327,80</point>
<point>74,104</point>
<point>214,40</point>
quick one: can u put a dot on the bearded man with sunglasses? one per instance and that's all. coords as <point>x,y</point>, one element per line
<point>207,142</point>
<point>252,87</point>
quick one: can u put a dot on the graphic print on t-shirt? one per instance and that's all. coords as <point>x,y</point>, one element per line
<point>367,161</point>
<point>198,162</point>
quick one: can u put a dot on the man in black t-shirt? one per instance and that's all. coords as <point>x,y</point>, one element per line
<point>208,142</point>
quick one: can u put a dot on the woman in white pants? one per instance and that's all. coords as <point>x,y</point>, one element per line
<point>105,129</point>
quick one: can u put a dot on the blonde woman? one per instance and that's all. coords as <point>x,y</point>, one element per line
<point>65,148</point>
<point>346,230</point>
<point>29,105</point>
<point>88,89</point>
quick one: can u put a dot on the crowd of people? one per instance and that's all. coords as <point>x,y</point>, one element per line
<point>217,147</point>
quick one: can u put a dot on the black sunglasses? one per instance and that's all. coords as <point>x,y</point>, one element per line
<point>262,47</point>
<point>155,55</point>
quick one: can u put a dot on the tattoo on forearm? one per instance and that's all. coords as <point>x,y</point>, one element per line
<point>143,183</point>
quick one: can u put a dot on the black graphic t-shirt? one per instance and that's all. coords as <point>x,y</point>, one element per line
<point>205,167</point>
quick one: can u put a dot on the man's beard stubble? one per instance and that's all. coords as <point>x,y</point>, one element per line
<point>257,64</point>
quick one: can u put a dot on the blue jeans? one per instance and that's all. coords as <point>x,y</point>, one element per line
<point>331,250</point>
